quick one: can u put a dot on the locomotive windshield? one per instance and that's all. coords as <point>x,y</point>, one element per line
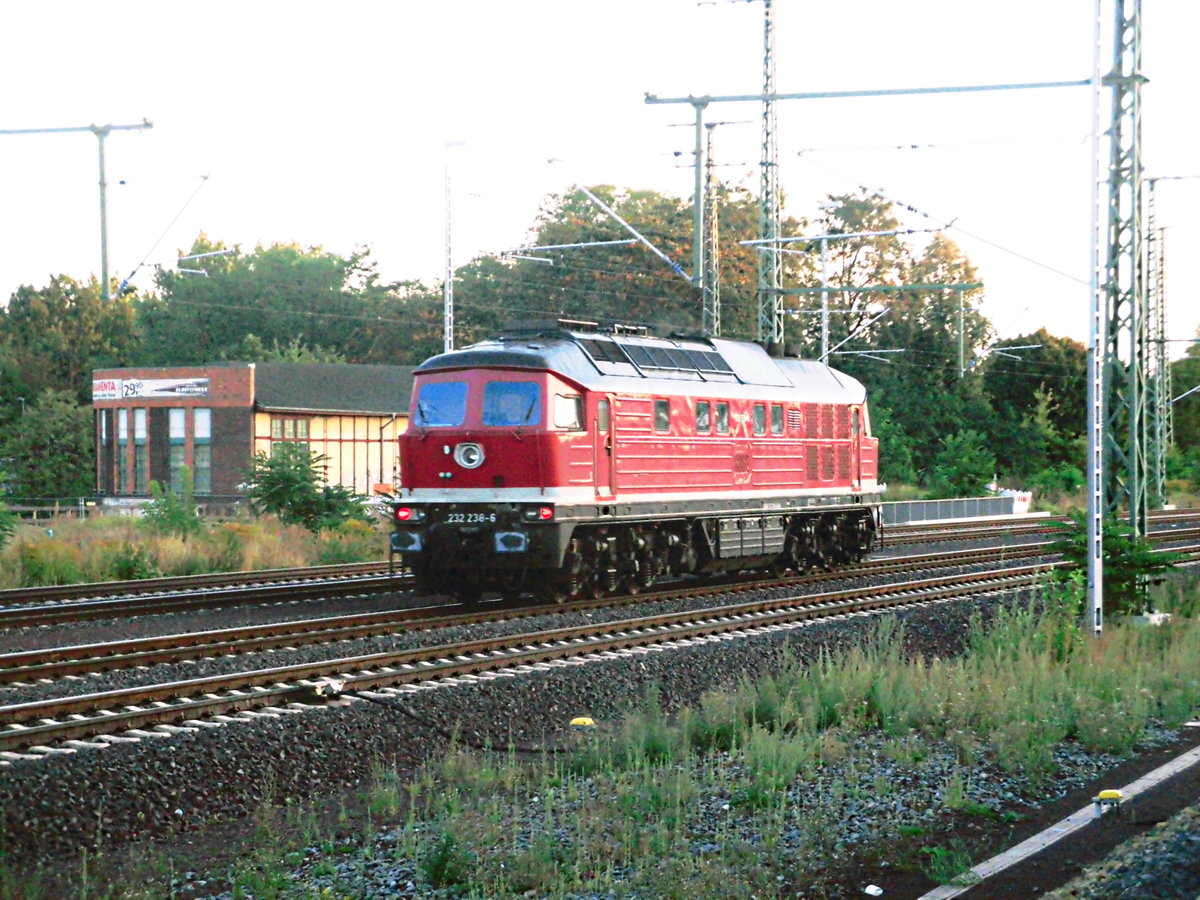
<point>440,404</point>
<point>509,403</point>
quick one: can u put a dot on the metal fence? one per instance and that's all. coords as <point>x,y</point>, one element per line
<point>904,511</point>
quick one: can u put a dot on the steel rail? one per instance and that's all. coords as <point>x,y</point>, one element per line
<point>59,593</point>
<point>56,662</point>
<point>243,595</point>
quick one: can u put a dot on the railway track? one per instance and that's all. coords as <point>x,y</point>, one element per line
<point>45,725</point>
<point>286,585</point>
<point>1162,522</point>
<point>50,605</point>
<point>93,658</point>
<point>58,662</point>
<point>57,721</point>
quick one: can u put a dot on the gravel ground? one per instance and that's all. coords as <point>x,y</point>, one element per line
<point>1163,863</point>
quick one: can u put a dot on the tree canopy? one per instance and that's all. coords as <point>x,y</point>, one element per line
<point>900,313</point>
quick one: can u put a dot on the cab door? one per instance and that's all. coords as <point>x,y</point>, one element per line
<point>603,448</point>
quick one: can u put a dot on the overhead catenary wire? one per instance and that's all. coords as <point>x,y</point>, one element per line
<point>170,225</point>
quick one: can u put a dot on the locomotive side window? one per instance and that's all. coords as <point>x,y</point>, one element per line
<point>760,418</point>
<point>722,418</point>
<point>602,414</point>
<point>703,417</point>
<point>568,412</point>
<point>662,416</point>
<point>509,403</point>
<point>776,419</point>
<point>440,404</point>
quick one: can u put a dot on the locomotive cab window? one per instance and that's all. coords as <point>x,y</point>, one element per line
<point>760,418</point>
<point>776,419</point>
<point>568,412</point>
<point>662,416</point>
<point>511,403</point>
<point>440,404</point>
<point>703,417</point>
<point>722,418</point>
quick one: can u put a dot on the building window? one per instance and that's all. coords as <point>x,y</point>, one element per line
<point>141,453</point>
<point>177,447</point>
<point>662,416</point>
<point>288,430</point>
<point>122,451</point>
<point>202,449</point>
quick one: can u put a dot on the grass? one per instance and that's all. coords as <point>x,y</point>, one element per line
<point>742,794</point>
<point>118,548</point>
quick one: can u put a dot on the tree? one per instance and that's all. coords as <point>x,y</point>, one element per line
<point>51,450</point>
<point>55,336</point>
<point>290,483</point>
<point>252,349</point>
<point>963,467</point>
<point>853,264</point>
<point>283,293</point>
<point>625,282</point>
<point>1130,566</point>
<point>1185,377</point>
<point>895,448</point>
<point>1051,374</point>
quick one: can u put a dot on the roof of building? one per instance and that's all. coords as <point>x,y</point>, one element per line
<point>332,387</point>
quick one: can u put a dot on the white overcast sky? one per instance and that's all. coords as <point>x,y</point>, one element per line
<point>326,123</point>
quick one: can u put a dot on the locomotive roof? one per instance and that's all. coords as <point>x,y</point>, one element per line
<point>632,362</point>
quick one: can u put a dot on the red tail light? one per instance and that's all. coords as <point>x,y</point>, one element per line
<point>546,512</point>
<point>403,513</point>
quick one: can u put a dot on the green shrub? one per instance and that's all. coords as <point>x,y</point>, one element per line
<point>49,562</point>
<point>171,513</point>
<point>8,524</point>
<point>1131,565</point>
<point>1058,480</point>
<point>131,562</point>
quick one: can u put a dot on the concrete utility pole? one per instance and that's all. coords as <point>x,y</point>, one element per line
<point>448,283</point>
<point>101,132</point>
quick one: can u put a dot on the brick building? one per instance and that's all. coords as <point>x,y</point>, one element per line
<point>151,422</point>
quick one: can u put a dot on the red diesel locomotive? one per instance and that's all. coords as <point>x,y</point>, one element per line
<point>572,462</point>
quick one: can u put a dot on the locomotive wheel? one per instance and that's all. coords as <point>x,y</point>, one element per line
<point>551,591</point>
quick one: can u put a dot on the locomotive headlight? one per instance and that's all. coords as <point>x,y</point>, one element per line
<point>469,456</point>
<point>409,514</point>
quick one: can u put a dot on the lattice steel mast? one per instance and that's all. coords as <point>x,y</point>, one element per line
<point>770,265</point>
<point>1158,383</point>
<point>710,260</point>
<point>1127,345</point>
